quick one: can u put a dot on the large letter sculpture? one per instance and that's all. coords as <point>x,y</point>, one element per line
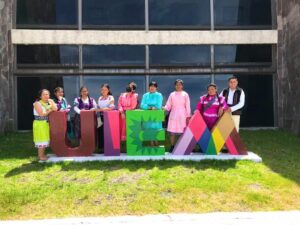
<point>59,142</point>
<point>112,133</point>
<point>211,142</point>
<point>135,135</point>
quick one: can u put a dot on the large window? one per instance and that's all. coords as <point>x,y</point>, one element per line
<point>192,14</point>
<point>114,56</point>
<point>47,13</point>
<point>130,14</point>
<point>242,13</point>
<point>194,85</point>
<point>28,88</point>
<point>117,84</point>
<point>249,55</point>
<point>179,55</point>
<point>113,14</point>
<point>47,56</point>
<point>258,110</point>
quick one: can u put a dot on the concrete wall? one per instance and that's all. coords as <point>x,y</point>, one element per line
<point>6,21</point>
<point>288,79</point>
<point>21,36</point>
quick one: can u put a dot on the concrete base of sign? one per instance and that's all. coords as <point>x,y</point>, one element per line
<point>123,157</point>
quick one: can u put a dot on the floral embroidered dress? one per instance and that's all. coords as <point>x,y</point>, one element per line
<point>209,107</point>
<point>81,104</point>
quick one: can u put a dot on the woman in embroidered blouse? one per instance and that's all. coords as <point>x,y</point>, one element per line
<point>60,100</point>
<point>152,100</point>
<point>62,105</point>
<point>42,107</point>
<point>84,102</point>
<point>211,106</point>
<point>105,103</point>
<point>180,111</point>
<point>127,101</point>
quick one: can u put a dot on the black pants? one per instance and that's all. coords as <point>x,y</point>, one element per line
<point>101,134</point>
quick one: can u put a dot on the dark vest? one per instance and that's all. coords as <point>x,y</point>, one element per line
<point>236,99</point>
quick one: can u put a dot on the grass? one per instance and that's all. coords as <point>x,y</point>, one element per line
<point>32,190</point>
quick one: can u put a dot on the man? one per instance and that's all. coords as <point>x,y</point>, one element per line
<point>235,99</point>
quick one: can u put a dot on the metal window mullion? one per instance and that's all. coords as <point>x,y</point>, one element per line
<point>212,20</point>
<point>147,64</point>
<point>146,15</point>
<point>212,49</point>
<point>80,47</point>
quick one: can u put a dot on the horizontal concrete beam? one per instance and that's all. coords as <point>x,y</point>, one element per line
<point>96,37</point>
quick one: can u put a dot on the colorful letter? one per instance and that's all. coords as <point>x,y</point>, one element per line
<point>211,143</point>
<point>59,142</point>
<point>112,133</point>
<point>135,134</point>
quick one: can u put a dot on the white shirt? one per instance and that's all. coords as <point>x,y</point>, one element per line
<point>240,104</point>
<point>35,113</point>
<point>106,103</point>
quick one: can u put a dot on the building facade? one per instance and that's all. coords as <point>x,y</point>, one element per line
<point>70,43</point>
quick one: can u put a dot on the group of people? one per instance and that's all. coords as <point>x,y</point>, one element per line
<point>211,105</point>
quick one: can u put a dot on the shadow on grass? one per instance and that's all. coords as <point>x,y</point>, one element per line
<point>117,165</point>
<point>279,150</point>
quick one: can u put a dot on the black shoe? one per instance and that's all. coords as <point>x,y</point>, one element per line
<point>171,148</point>
<point>224,150</point>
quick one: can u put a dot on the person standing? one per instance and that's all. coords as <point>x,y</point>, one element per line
<point>152,100</point>
<point>235,99</point>
<point>81,103</point>
<point>105,103</point>
<point>211,106</point>
<point>178,105</point>
<point>127,101</point>
<point>62,105</point>
<point>42,107</point>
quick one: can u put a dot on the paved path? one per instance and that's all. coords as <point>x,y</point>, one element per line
<point>234,218</point>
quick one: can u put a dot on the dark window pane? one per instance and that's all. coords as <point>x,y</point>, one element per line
<point>114,13</point>
<point>194,85</point>
<point>47,12</point>
<point>258,110</point>
<point>175,55</point>
<point>114,55</point>
<point>179,13</point>
<point>242,13</point>
<point>62,55</point>
<point>117,84</point>
<point>236,54</point>
<point>27,96</point>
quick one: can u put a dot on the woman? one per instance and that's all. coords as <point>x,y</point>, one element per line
<point>62,105</point>
<point>42,107</point>
<point>105,103</point>
<point>152,101</point>
<point>127,101</point>
<point>211,106</point>
<point>81,103</point>
<point>60,100</point>
<point>179,105</point>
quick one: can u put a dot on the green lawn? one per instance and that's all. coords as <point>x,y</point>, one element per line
<point>29,189</point>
